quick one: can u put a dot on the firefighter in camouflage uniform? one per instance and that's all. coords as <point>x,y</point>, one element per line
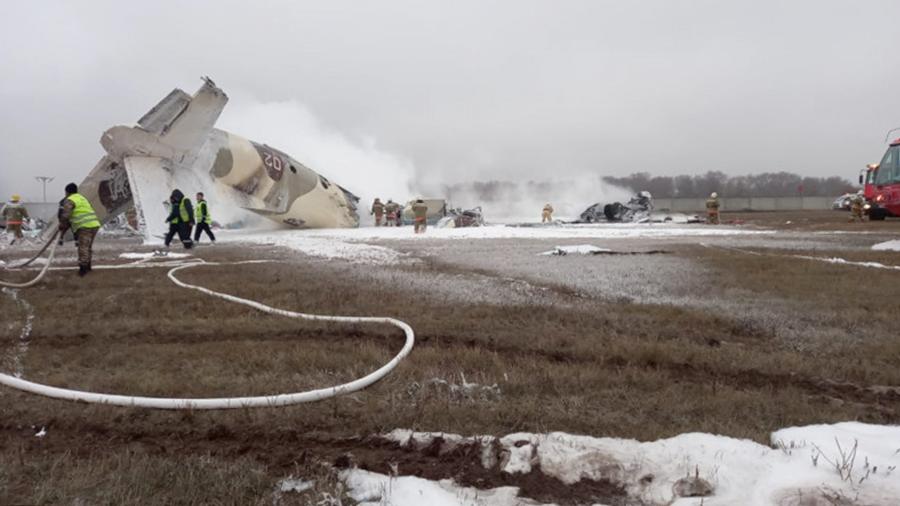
<point>712,209</point>
<point>15,215</point>
<point>78,215</point>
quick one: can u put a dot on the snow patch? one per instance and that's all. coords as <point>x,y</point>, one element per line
<point>581,249</point>
<point>602,231</point>
<point>887,246</point>
<point>852,463</point>
<point>295,485</point>
<point>373,489</point>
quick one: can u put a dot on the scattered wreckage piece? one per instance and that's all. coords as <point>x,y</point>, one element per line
<point>590,249</point>
<point>459,218</point>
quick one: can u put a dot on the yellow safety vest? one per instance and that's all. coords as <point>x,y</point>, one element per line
<point>202,210</point>
<point>83,216</point>
<point>182,210</point>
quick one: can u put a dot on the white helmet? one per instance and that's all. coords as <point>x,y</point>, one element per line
<point>714,195</point>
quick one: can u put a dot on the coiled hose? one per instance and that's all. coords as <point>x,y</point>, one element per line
<point>276,400</point>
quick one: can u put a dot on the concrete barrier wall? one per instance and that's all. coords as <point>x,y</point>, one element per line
<point>44,211</point>
<point>747,204</point>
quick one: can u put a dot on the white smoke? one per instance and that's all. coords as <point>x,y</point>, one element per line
<point>506,202</point>
<point>369,171</point>
<point>358,165</point>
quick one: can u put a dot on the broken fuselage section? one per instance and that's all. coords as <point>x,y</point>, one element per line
<point>175,146</point>
<point>638,209</point>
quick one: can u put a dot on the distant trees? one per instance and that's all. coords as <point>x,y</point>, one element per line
<point>766,184</point>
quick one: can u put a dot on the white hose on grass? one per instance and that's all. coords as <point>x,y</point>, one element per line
<point>277,400</point>
<point>52,243</point>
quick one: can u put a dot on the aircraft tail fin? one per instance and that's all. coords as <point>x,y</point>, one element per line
<point>175,128</point>
<point>190,127</point>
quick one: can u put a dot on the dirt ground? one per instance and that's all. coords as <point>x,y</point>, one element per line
<point>732,335</point>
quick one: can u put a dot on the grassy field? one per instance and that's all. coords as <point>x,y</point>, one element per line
<point>782,342</point>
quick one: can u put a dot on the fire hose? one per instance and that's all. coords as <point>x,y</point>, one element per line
<point>275,400</point>
<point>52,245</point>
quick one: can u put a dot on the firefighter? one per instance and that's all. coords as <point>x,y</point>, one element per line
<point>420,212</point>
<point>78,214</point>
<point>392,209</point>
<point>378,211</point>
<point>547,213</point>
<point>712,209</point>
<point>15,215</point>
<point>180,219</point>
<point>203,219</point>
<point>856,208</point>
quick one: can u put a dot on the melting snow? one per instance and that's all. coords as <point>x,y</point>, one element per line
<point>851,463</point>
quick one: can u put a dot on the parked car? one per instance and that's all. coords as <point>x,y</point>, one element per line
<point>842,203</point>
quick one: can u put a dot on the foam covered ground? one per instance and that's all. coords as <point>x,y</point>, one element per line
<point>350,244</point>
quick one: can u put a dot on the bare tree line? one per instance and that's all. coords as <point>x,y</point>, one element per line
<point>766,184</point>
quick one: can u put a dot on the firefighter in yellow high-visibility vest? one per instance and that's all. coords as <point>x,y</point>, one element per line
<point>78,214</point>
<point>204,220</point>
<point>180,220</point>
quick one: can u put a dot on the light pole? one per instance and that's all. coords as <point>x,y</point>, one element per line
<point>44,180</point>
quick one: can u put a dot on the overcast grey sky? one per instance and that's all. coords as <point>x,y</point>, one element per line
<point>469,90</point>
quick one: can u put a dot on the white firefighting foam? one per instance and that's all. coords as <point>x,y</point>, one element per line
<point>351,243</point>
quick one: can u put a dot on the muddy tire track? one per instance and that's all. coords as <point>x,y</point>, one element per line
<point>14,358</point>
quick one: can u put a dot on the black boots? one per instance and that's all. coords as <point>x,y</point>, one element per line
<point>83,269</point>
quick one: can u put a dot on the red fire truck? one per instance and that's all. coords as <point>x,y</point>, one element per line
<point>882,184</point>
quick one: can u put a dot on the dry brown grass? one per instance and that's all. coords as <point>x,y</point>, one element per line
<point>825,220</point>
<point>593,367</point>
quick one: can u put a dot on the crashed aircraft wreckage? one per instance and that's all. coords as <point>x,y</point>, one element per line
<point>175,146</point>
<point>638,209</point>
